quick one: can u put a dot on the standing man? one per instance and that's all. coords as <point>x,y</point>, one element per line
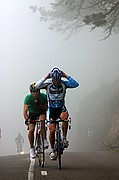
<point>19,140</point>
<point>35,107</point>
<point>56,90</point>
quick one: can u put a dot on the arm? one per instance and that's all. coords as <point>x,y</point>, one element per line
<point>70,83</point>
<point>41,81</point>
<point>25,112</point>
<point>64,75</point>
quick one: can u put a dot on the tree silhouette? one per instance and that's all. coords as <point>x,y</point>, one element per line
<point>70,16</point>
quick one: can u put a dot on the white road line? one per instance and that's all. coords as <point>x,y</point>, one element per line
<point>44,173</point>
<point>31,169</point>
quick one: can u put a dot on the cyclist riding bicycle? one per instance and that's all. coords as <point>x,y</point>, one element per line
<point>56,90</point>
<point>35,107</point>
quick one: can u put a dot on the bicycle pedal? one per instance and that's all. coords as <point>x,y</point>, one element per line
<point>65,145</point>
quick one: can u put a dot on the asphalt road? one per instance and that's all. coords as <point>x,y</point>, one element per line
<point>75,166</point>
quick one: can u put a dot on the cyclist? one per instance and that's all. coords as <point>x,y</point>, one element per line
<point>56,90</point>
<point>19,140</point>
<point>35,107</point>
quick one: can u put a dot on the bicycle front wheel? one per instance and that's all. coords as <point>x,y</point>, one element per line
<point>41,151</point>
<point>59,149</point>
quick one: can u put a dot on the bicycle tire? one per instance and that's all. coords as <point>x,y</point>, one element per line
<point>42,154</point>
<point>41,151</point>
<point>59,149</point>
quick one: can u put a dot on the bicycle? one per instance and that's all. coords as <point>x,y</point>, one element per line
<point>58,146</point>
<point>39,142</point>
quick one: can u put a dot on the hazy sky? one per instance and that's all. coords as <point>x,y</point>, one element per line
<point>28,51</point>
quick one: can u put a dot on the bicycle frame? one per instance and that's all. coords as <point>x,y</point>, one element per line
<point>58,140</point>
<point>39,142</point>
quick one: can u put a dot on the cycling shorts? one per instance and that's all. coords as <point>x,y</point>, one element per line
<point>54,113</point>
<point>35,116</point>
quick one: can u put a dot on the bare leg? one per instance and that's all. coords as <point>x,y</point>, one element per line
<point>52,135</point>
<point>64,116</point>
<point>43,117</point>
<point>64,129</point>
<point>31,135</point>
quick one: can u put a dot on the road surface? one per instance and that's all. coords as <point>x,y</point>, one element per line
<point>75,166</point>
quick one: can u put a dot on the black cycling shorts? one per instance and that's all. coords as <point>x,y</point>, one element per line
<point>35,116</point>
<point>54,113</point>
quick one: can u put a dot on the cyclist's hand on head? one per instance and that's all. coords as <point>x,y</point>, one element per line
<point>47,76</point>
<point>64,75</point>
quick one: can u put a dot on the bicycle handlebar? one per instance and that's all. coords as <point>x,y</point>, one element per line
<point>34,121</point>
<point>50,120</point>
<point>57,120</point>
<point>60,120</point>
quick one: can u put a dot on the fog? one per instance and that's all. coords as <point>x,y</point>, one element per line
<point>28,51</point>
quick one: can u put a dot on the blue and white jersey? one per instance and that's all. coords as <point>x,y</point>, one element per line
<point>56,94</point>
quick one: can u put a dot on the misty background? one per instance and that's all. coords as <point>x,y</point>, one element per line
<point>29,50</point>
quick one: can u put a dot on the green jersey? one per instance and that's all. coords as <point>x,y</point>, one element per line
<point>34,107</point>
